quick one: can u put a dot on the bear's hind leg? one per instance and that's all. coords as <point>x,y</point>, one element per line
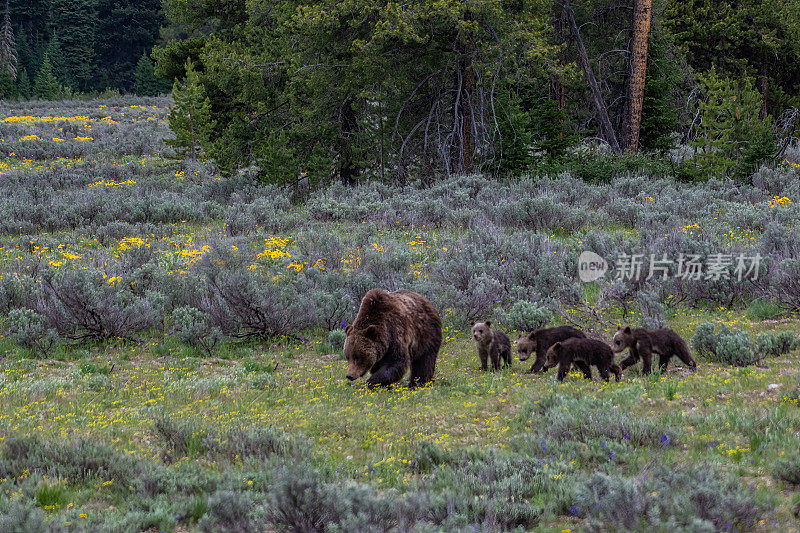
<point>422,370</point>
<point>663,361</point>
<point>506,356</point>
<point>585,368</point>
<point>647,360</point>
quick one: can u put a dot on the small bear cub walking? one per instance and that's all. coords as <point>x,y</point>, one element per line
<point>492,344</point>
<point>643,343</point>
<point>582,353</point>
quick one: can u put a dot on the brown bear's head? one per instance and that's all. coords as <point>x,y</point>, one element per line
<point>482,332</point>
<point>526,345</point>
<point>362,349</point>
<point>622,339</point>
<point>553,355</point>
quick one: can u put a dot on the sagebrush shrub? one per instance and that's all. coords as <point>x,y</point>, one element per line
<point>82,304</point>
<point>729,347</point>
<point>31,330</point>
<point>243,304</point>
<point>696,498</point>
<point>336,339</point>
<point>563,417</point>
<point>528,316</point>
<point>788,470</point>
<point>194,328</point>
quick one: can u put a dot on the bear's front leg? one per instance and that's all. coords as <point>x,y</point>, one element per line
<point>495,355</point>
<point>386,375</point>
<point>563,369</point>
<point>631,360</point>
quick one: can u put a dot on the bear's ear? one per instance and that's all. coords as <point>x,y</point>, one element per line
<point>489,323</point>
<point>347,330</point>
<point>627,329</point>
<point>619,328</point>
<point>473,323</point>
<point>371,333</point>
<point>557,346</point>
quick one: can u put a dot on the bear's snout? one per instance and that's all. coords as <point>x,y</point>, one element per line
<point>352,377</point>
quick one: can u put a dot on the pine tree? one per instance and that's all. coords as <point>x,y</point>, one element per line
<point>75,23</point>
<point>24,84</point>
<point>190,117</point>
<point>146,83</point>
<point>46,85</point>
<point>8,48</point>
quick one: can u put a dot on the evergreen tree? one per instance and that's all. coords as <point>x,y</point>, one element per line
<point>190,117</point>
<point>146,83</point>
<point>660,111</point>
<point>74,23</point>
<point>8,48</point>
<point>135,27</point>
<point>46,85</point>
<point>8,87</point>
<point>730,139</point>
<point>24,84</point>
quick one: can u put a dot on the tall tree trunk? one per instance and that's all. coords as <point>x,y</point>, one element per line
<point>632,118</point>
<point>602,111</point>
<point>763,86</point>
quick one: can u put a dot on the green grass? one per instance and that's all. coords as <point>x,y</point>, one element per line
<point>743,419</point>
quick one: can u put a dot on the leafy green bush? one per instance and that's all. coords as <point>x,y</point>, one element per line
<point>775,344</point>
<point>336,340</point>
<point>727,347</point>
<point>788,470</point>
<point>528,316</point>
<point>228,511</point>
<point>194,328</point>
<point>30,330</point>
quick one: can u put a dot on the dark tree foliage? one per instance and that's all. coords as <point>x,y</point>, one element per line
<point>92,45</point>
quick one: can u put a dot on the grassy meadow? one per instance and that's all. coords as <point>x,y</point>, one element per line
<point>116,418</point>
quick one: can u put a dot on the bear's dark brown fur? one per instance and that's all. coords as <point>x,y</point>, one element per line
<point>392,333</point>
<point>492,344</point>
<point>541,340</point>
<point>642,343</point>
<point>584,351</point>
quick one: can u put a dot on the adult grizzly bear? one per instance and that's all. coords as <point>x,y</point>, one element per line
<point>393,331</point>
<point>492,344</point>
<point>643,342</point>
<point>540,341</point>
<point>585,351</point>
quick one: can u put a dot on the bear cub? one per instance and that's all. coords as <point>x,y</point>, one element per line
<point>540,341</point>
<point>642,343</point>
<point>582,352</point>
<point>492,344</point>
